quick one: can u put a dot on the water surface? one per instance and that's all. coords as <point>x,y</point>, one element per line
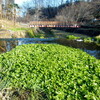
<point>91,48</point>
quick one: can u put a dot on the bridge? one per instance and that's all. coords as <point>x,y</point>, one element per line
<point>53,24</point>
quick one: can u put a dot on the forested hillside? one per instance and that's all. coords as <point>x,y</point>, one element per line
<point>80,11</point>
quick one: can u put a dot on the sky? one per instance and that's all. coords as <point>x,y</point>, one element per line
<point>20,2</point>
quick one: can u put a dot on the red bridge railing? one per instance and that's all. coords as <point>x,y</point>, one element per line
<point>52,24</point>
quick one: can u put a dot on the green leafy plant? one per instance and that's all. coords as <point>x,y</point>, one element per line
<point>72,37</point>
<point>62,73</point>
<point>89,39</point>
<point>97,39</point>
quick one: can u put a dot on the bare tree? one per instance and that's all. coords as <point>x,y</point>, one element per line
<point>1,10</point>
<point>95,6</point>
<point>75,13</point>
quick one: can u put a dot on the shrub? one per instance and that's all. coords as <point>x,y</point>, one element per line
<point>32,33</point>
<point>63,73</point>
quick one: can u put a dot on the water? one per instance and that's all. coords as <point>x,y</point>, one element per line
<point>90,48</point>
<point>8,44</point>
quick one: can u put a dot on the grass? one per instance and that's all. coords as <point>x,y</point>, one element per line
<point>19,29</point>
<point>51,71</point>
<point>9,30</point>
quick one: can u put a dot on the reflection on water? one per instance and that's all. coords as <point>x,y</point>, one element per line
<point>8,44</point>
<point>91,48</point>
<point>95,53</point>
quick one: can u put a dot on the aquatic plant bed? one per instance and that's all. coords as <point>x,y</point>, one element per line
<point>62,73</point>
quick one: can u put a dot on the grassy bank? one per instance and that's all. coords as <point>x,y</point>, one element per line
<point>74,36</point>
<point>85,39</point>
<point>51,72</point>
<point>9,30</point>
<point>8,24</point>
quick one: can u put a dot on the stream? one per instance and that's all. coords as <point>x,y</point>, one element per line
<point>93,49</point>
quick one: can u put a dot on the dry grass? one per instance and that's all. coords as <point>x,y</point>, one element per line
<point>9,30</point>
<point>5,34</point>
<point>6,24</point>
